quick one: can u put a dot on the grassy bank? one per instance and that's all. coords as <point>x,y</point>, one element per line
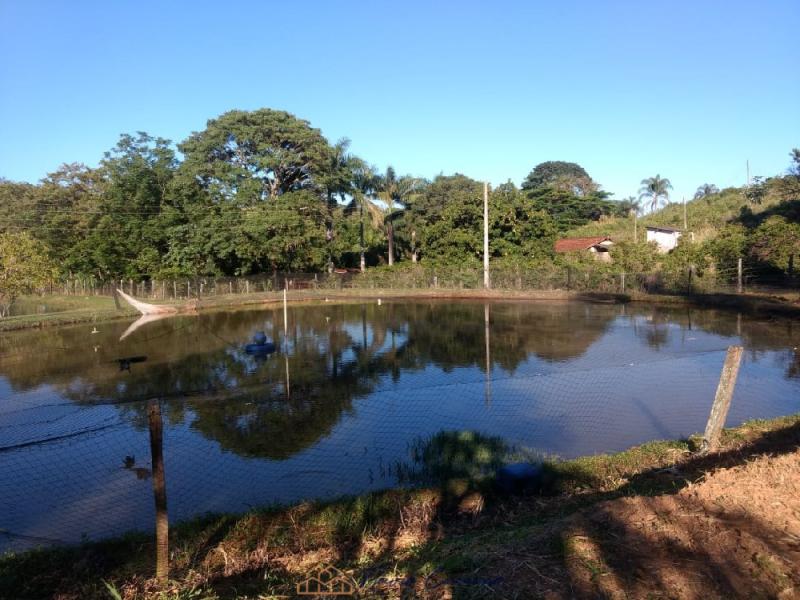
<point>68,310</point>
<point>654,521</point>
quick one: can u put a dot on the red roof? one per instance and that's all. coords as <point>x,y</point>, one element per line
<point>575,244</point>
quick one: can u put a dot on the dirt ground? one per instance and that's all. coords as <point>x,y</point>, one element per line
<point>734,533</point>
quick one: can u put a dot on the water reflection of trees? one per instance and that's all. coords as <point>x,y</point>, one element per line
<point>758,333</point>
<point>332,354</point>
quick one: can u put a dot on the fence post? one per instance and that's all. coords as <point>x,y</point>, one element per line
<point>739,276</point>
<point>159,489</point>
<point>722,399</point>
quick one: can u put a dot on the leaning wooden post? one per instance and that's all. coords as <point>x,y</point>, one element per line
<point>722,400</point>
<point>159,490</point>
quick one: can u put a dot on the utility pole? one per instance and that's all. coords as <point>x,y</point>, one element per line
<point>685,226</point>
<point>486,235</point>
<point>748,172</point>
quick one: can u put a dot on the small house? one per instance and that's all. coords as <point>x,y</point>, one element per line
<point>666,238</point>
<point>598,246</point>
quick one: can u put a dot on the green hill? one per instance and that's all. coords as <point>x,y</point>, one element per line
<point>704,216</point>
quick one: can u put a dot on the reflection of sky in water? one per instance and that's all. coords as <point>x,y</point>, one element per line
<point>637,378</point>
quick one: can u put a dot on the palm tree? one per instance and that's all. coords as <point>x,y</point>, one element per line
<point>364,187</point>
<point>337,182</point>
<point>394,191</point>
<point>655,188</point>
<point>705,190</point>
<point>629,206</point>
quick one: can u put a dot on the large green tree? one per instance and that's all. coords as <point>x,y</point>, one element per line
<point>451,211</point>
<point>129,237</point>
<point>566,192</point>
<point>24,267</point>
<point>247,157</point>
<point>230,182</point>
<point>564,176</point>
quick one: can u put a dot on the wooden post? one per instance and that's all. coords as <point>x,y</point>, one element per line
<point>739,276</point>
<point>722,400</point>
<point>159,490</point>
<point>175,289</point>
<point>247,286</point>
<point>622,281</point>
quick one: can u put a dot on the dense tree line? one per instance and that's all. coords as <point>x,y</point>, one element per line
<point>262,191</point>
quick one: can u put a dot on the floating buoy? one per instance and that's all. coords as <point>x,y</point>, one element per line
<point>379,301</point>
<point>260,345</point>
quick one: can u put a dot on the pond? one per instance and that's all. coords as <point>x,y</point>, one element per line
<point>344,404</point>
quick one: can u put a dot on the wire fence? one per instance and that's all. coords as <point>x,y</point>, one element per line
<point>539,278</point>
<point>346,405</point>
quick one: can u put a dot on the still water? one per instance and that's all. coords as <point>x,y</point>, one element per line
<point>348,394</point>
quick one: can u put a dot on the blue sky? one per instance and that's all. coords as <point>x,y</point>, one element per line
<point>689,90</point>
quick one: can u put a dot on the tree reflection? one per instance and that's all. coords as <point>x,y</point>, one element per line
<point>278,405</point>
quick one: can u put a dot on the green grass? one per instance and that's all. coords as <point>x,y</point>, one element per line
<point>62,310</point>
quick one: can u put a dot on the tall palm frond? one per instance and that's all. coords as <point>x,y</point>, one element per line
<point>395,192</point>
<point>705,190</point>
<point>655,189</point>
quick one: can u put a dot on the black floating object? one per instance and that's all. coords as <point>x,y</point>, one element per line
<point>260,345</point>
<point>519,478</point>
<point>125,363</point>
